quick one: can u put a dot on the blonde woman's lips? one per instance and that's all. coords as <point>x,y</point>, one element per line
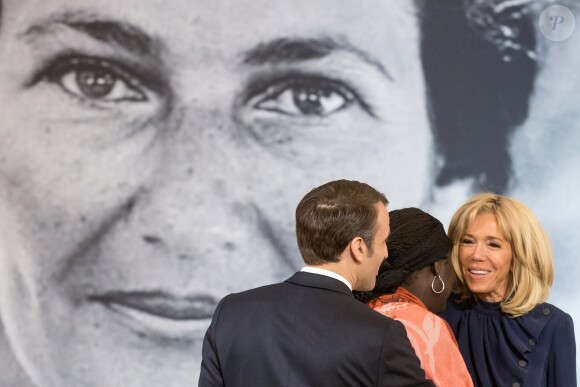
<point>479,272</point>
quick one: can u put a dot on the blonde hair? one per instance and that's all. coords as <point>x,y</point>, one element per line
<point>532,267</point>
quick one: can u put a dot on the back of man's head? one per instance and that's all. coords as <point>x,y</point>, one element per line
<point>331,215</point>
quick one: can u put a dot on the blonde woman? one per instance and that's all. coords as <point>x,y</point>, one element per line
<point>507,333</point>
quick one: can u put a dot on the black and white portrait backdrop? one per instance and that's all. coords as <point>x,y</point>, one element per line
<point>152,154</point>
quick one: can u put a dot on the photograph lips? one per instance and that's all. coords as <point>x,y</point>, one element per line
<point>162,304</point>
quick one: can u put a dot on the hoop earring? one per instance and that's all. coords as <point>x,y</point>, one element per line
<point>433,285</point>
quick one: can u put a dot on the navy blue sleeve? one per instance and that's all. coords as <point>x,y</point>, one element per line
<point>562,360</point>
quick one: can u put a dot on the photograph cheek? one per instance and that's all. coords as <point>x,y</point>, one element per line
<point>85,131</point>
<point>317,141</point>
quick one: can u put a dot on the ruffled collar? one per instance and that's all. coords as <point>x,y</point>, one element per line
<point>502,344</point>
<point>531,324</point>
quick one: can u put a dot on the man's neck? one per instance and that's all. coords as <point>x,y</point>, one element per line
<point>336,269</point>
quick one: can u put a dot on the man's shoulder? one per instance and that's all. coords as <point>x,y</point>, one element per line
<point>322,299</point>
<point>257,292</point>
<point>297,283</point>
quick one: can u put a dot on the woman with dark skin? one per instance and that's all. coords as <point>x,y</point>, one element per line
<point>413,286</point>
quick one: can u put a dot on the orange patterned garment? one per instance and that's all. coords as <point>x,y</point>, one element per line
<point>430,336</point>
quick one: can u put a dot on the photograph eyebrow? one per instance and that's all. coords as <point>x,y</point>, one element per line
<point>123,34</point>
<point>295,49</point>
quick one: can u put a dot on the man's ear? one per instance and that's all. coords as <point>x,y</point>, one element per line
<point>358,249</point>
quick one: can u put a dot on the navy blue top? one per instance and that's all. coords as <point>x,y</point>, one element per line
<point>537,349</point>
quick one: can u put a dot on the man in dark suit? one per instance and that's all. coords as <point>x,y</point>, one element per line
<point>310,330</point>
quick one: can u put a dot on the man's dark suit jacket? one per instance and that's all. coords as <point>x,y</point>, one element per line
<point>306,331</point>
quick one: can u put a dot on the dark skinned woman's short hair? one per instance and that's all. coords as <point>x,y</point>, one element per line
<point>417,240</point>
<point>329,217</point>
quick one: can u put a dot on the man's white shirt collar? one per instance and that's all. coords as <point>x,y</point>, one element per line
<point>328,273</point>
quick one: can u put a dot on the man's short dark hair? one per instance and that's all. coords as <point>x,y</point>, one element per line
<point>332,215</point>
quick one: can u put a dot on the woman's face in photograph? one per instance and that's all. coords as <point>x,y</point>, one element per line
<point>152,154</point>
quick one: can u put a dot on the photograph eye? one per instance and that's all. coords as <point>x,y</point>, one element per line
<point>95,80</point>
<point>306,97</point>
